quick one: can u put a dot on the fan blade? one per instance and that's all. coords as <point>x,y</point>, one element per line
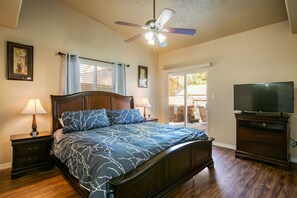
<point>128,24</point>
<point>134,37</point>
<point>179,30</point>
<point>164,17</point>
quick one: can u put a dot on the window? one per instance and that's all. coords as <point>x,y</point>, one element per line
<point>95,76</point>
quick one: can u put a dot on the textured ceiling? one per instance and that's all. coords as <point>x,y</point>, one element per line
<point>211,18</point>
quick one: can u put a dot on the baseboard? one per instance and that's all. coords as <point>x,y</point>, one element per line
<point>5,166</point>
<point>229,146</point>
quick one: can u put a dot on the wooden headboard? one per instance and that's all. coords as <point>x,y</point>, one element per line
<point>87,101</point>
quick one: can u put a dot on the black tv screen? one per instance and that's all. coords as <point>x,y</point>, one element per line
<point>265,97</point>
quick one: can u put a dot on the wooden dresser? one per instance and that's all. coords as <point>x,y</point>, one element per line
<point>264,138</point>
<point>30,153</point>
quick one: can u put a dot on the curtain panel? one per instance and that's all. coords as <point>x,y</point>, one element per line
<point>70,77</point>
<point>119,79</point>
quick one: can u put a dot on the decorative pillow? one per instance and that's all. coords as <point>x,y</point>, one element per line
<point>126,116</point>
<point>84,120</point>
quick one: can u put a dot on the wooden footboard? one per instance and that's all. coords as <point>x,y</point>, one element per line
<point>158,176</point>
<point>165,171</point>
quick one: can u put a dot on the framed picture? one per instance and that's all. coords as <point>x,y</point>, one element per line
<point>19,61</point>
<point>142,76</point>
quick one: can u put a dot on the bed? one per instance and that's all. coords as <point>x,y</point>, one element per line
<point>154,177</point>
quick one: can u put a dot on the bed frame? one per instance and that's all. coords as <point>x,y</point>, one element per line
<point>154,178</point>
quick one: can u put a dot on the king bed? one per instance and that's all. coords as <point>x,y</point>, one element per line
<point>121,157</point>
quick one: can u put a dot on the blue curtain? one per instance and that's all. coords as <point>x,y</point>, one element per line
<point>119,79</point>
<point>71,81</point>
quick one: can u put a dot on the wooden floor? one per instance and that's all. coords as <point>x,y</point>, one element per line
<point>229,178</point>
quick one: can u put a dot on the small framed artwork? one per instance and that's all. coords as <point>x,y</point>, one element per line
<point>19,61</point>
<point>142,76</point>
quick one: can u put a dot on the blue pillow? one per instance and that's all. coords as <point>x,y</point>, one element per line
<point>84,120</point>
<point>126,116</point>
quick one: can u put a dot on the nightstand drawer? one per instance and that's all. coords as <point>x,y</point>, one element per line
<point>30,160</point>
<point>30,149</point>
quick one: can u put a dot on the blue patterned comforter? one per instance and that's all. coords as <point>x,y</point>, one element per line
<point>98,155</point>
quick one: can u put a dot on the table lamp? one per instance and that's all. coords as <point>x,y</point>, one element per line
<point>34,107</point>
<point>145,104</point>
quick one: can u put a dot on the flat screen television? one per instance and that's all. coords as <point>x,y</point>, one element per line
<point>275,97</point>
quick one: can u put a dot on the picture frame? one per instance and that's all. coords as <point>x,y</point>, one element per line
<point>19,61</point>
<point>142,76</point>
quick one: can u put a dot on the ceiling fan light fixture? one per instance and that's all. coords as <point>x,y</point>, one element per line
<point>151,42</point>
<point>161,37</point>
<point>149,36</point>
<point>154,26</point>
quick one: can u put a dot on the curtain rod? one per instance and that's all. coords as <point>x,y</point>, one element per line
<point>62,54</point>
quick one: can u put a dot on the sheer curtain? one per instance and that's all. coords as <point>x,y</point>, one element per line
<point>119,79</point>
<point>70,82</point>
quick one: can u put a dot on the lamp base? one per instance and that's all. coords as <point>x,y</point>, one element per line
<point>144,113</point>
<point>34,133</point>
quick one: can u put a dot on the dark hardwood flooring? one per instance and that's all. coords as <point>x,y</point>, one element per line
<point>230,177</point>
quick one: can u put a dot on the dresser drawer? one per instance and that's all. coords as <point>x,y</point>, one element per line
<point>261,149</point>
<point>261,136</point>
<point>31,149</point>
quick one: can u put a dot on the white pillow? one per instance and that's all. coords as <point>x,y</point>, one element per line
<point>61,121</point>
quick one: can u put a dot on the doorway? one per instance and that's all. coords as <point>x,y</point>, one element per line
<point>187,100</point>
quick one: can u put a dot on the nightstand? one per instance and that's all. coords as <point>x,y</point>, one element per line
<point>152,119</point>
<point>30,153</point>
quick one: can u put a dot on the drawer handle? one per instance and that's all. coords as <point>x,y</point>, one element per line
<point>264,124</point>
<point>33,148</point>
<point>259,136</point>
<point>32,159</point>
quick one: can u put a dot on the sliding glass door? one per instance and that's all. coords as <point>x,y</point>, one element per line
<point>187,99</point>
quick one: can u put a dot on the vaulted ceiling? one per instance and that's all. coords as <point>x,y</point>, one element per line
<point>9,13</point>
<point>211,18</point>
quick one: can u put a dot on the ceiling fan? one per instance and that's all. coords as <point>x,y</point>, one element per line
<point>156,27</point>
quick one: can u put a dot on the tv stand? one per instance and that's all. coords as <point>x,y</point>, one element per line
<point>264,138</point>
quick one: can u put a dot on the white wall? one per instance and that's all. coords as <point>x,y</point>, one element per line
<point>267,54</point>
<point>50,26</point>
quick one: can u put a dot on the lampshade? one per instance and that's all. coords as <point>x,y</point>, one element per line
<point>33,107</point>
<point>145,103</point>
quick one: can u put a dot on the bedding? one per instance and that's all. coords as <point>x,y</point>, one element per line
<point>98,155</point>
